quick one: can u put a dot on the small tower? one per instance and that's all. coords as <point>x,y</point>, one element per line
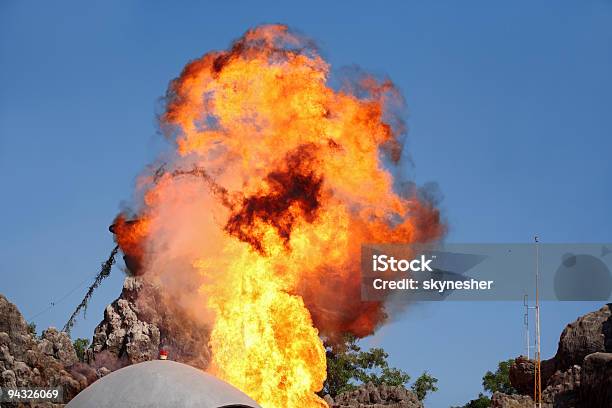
<point>537,374</point>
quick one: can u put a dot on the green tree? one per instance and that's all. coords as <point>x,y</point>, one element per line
<point>348,367</point>
<point>492,382</point>
<point>481,402</point>
<point>32,328</point>
<point>80,345</point>
<point>499,381</point>
<point>424,384</point>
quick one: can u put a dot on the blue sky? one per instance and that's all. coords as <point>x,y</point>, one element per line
<point>509,111</point>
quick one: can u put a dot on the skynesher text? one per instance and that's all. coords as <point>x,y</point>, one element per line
<point>431,284</point>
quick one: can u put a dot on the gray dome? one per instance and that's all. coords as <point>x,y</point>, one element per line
<point>160,384</point>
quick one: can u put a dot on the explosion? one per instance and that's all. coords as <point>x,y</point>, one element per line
<point>255,221</point>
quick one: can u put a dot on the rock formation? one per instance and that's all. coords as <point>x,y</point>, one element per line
<point>596,380</point>
<point>500,400</point>
<point>134,329</point>
<point>140,323</point>
<point>580,373</point>
<point>28,361</point>
<point>375,396</point>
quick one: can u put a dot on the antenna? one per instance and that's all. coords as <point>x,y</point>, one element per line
<point>526,324</point>
<point>537,374</point>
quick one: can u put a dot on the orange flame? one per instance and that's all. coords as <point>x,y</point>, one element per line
<point>278,179</point>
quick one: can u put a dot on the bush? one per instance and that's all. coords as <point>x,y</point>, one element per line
<point>424,384</point>
<point>499,381</point>
<point>80,345</point>
<point>348,367</point>
<point>481,402</point>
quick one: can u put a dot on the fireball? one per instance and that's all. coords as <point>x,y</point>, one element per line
<point>256,221</point>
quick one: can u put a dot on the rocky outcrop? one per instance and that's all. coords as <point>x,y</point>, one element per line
<point>134,329</point>
<point>562,388</point>
<point>521,375</point>
<point>500,400</point>
<point>588,334</point>
<point>140,323</point>
<point>579,374</point>
<point>375,396</point>
<point>25,360</point>
<point>596,380</point>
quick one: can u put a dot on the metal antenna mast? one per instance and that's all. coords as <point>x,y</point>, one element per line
<point>537,377</point>
<point>526,324</point>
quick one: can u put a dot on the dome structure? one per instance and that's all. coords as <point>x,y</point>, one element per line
<point>161,384</point>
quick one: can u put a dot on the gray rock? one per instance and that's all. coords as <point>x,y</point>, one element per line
<point>58,345</point>
<point>376,396</point>
<point>578,374</point>
<point>30,362</point>
<point>500,400</point>
<point>584,336</point>
<point>103,371</point>
<point>596,380</point>
<point>15,329</point>
<point>562,388</point>
<point>141,322</point>
<point>9,379</point>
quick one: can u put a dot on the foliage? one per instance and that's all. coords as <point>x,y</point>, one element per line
<point>481,402</point>
<point>105,270</point>
<point>424,384</point>
<point>499,381</point>
<point>80,345</point>
<point>348,367</point>
<point>32,328</point>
